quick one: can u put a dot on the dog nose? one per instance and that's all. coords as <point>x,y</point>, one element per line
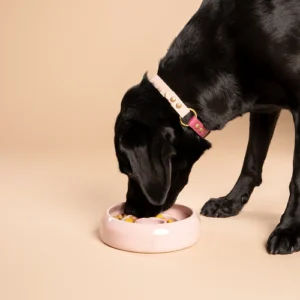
<point>129,210</point>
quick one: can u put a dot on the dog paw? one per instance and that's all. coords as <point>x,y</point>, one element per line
<point>284,240</point>
<point>221,208</point>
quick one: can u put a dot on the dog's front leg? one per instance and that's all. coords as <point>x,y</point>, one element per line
<point>262,127</point>
<point>285,239</point>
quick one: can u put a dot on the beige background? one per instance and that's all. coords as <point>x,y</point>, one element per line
<point>64,66</point>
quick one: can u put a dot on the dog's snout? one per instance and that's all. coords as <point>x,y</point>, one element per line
<point>141,211</point>
<point>129,210</point>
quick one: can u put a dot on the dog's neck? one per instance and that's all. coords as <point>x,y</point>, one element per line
<point>205,75</point>
<point>184,112</point>
<point>216,103</point>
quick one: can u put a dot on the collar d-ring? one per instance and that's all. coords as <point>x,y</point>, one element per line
<point>195,115</point>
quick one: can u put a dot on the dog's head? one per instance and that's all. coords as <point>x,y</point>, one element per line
<point>153,150</point>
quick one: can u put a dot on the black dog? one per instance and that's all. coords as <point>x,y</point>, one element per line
<point>232,57</point>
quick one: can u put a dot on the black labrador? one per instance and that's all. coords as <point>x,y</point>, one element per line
<point>232,57</point>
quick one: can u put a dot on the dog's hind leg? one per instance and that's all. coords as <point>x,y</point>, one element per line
<point>261,131</point>
<point>285,239</point>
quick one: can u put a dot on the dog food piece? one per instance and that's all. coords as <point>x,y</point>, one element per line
<point>129,220</point>
<point>132,219</point>
<point>119,216</point>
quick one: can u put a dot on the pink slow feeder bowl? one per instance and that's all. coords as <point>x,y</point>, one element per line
<point>151,235</point>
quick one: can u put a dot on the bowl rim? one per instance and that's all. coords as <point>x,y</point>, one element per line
<point>193,213</point>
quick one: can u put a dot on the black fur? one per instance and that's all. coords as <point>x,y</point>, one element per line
<point>233,57</point>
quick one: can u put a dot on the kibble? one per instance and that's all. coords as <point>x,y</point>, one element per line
<point>129,220</point>
<point>132,219</point>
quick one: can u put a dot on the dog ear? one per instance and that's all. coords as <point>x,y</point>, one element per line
<point>149,155</point>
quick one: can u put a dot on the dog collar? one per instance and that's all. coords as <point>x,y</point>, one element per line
<point>181,109</point>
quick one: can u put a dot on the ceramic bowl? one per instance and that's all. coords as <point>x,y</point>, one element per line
<point>151,235</point>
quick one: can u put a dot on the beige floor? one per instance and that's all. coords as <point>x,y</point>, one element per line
<point>64,68</point>
<point>51,205</point>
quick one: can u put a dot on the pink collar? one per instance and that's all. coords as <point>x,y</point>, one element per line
<point>179,106</point>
